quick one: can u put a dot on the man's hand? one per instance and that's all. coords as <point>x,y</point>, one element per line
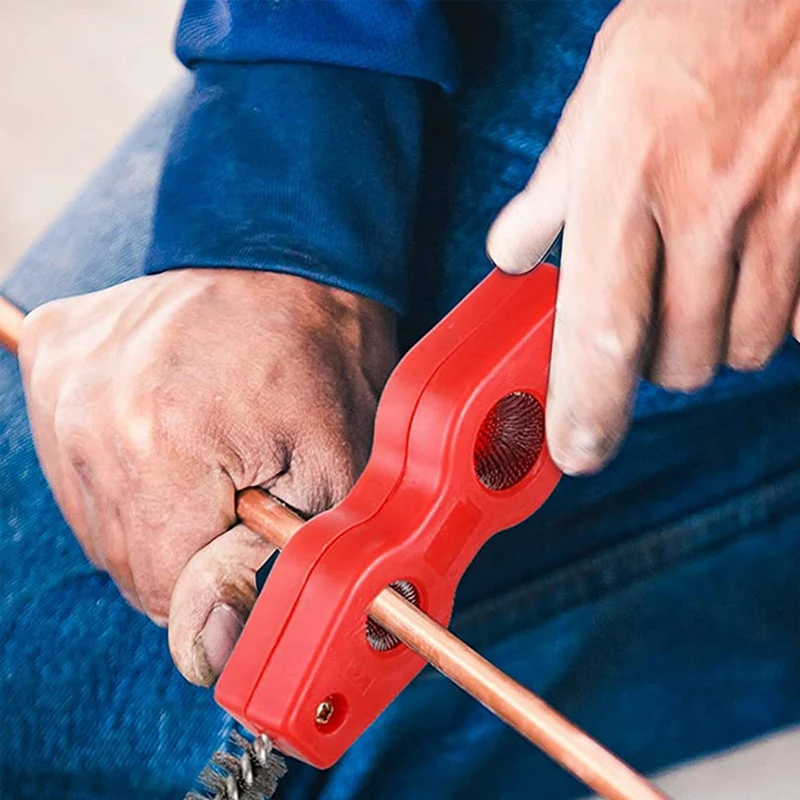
<point>675,171</point>
<point>153,402</point>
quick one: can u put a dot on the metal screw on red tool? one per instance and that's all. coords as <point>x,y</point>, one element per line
<point>325,711</point>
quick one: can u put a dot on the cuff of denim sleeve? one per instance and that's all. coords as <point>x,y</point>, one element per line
<point>307,169</point>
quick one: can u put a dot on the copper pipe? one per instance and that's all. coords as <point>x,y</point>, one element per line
<point>530,716</point>
<point>518,707</point>
<point>10,325</point>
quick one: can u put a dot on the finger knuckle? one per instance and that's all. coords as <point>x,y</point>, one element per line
<point>701,223</point>
<point>616,342</point>
<point>771,254</point>
<point>182,416</point>
<point>138,436</point>
<point>322,472</point>
<point>155,602</point>
<point>146,420</point>
<point>72,434</point>
<point>341,479</point>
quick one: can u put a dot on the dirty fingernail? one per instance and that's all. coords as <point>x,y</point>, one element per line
<point>218,637</point>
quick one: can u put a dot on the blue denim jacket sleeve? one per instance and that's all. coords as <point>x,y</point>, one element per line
<point>299,148</point>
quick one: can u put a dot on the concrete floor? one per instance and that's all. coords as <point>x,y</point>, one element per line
<point>75,76</point>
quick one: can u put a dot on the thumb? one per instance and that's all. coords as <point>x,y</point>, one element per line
<point>211,602</point>
<point>527,227</point>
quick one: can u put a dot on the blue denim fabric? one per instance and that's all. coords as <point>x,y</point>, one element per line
<point>656,604</point>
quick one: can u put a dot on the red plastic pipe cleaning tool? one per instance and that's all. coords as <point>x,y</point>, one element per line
<point>459,454</point>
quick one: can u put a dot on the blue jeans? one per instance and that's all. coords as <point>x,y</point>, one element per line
<point>657,604</point>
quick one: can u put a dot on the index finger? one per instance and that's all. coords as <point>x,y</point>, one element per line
<point>604,310</point>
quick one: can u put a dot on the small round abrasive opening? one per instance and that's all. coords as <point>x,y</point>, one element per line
<point>509,441</point>
<point>378,637</point>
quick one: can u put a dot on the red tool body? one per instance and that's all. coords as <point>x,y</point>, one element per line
<point>458,455</point>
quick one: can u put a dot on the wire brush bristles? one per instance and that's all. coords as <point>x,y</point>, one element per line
<point>245,770</point>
